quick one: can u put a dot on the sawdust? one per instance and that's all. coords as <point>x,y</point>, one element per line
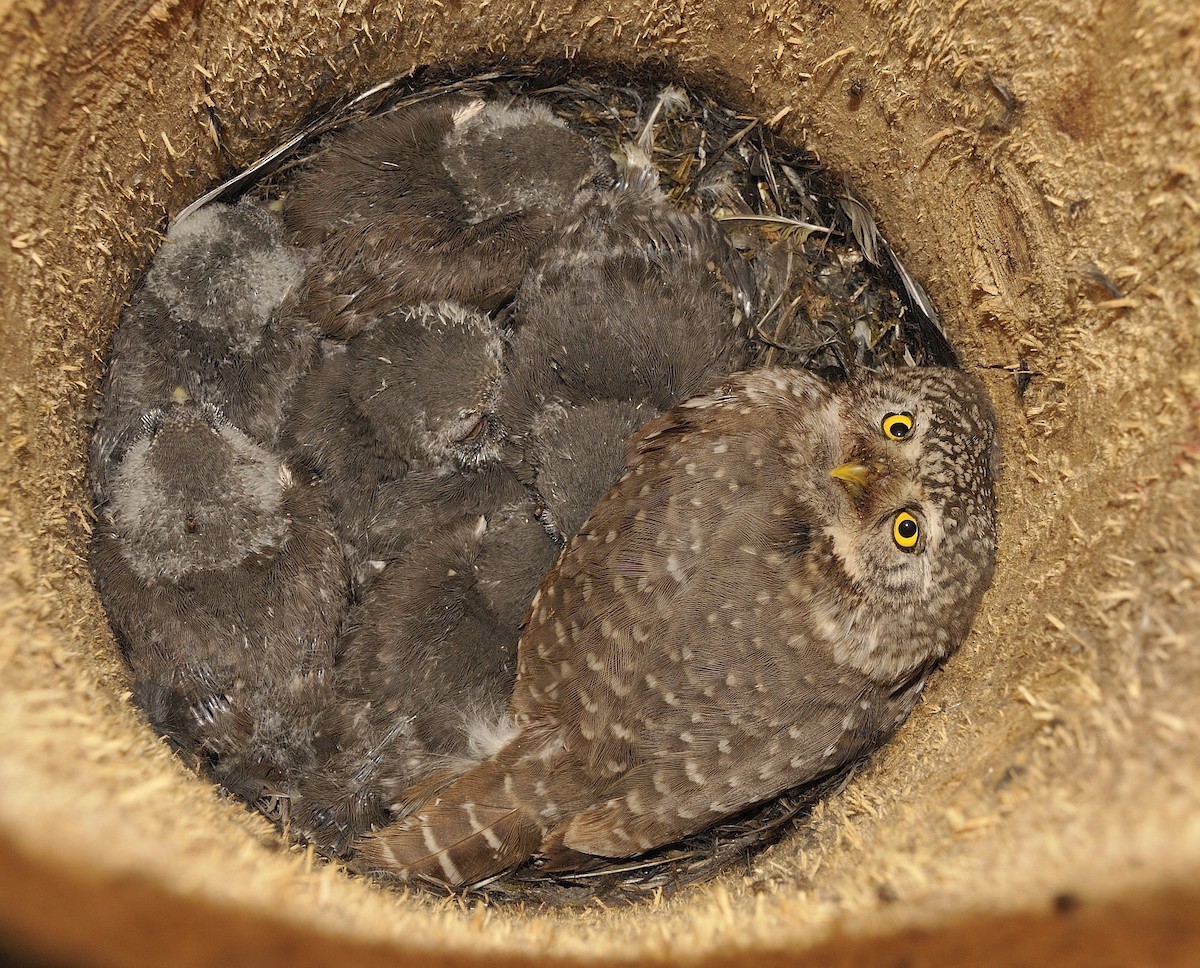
<point>1033,163</point>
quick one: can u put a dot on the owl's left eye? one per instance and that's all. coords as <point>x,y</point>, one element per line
<point>897,426</point>
<point>906,532</point>
<point>476,423</point>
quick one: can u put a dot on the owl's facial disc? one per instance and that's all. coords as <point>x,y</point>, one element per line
<point>882,524</point>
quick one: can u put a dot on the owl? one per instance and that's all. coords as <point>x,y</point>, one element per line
<point>213,323</point>
<point>425,670</point>
<point>516,552</point>
<point>635,300</point>
<point>428,659</point>
<point>225,584</point>
<point>756,602</point>
<point>449,199</point>
<point>412,395</point>
<point>573,454</point>
<point>226,268</point>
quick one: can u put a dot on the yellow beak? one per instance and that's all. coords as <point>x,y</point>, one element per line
<point>855,473</point>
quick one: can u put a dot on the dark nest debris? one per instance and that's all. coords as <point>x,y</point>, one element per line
<point>834,297</point>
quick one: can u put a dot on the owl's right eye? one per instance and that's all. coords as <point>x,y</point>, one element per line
<point>897,426</point>
<point>476,424</point>
<point>906,532</point>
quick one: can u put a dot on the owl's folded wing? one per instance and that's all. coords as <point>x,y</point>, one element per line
<point>672,797</point>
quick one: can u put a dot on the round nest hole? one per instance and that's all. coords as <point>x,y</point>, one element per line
<point>1039,803</point>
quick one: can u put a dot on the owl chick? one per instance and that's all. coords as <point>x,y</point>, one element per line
<point>757,601</point>
<point>635,300</point>
<point>225,268</point>
<point>426,669</point>
<point>444,200</point>
<point>574,453</point>
<point>213,323</point>
<point>225,583</point>
<point>413,393</point>
<point>517,550</point>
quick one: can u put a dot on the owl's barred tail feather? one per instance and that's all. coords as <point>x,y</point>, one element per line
<point>471,831</point>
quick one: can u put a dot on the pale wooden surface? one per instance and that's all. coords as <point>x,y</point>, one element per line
<point>1057,757</point>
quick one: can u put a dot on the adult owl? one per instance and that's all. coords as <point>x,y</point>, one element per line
<point>757,601</point>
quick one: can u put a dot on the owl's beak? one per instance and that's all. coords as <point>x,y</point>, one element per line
<point>856,474</point>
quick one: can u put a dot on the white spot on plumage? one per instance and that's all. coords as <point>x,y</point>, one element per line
<point>620,732</point>
<point>674,568</point>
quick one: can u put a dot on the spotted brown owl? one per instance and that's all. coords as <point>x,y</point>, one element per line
<point>758,601</point>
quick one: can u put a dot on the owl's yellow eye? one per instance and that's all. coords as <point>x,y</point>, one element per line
<point>905,531</point>
<point>897,426</point>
